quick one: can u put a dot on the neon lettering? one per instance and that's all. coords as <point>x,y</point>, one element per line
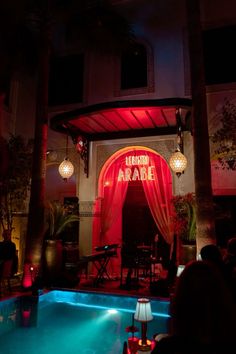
<point>137,174</point>
<point>133,160</point>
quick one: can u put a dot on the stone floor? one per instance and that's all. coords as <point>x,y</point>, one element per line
<point>114,286</point>
<point>141,287</point>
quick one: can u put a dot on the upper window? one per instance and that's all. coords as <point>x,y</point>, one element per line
<point>134,73</point>
<point>220,55</point>
<point>134,67</point>
<point>66,80</point>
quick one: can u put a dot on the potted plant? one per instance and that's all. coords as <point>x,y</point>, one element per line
<point>59,218</point>
<point>185,225</point>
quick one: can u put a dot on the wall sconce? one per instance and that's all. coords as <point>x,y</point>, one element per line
<point>66,168</point>
<point>143,314</point>
<point>82,147</point>
<point>51,155</point>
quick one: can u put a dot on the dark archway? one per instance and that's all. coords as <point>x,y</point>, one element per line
<point>138,225</point>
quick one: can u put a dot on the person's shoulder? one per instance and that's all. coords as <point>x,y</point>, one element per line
<point>167,345</point>
<point>183,345</point>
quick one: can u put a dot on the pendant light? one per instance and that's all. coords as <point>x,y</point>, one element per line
<point>66,168</point>
<point>178,162</point>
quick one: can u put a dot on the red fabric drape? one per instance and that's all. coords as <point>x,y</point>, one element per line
<point>114,197</point>
<point>107,228</point>
<point>159,193</point>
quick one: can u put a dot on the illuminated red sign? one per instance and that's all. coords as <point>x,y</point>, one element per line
<point>142,172</point>
<point>133,160</point>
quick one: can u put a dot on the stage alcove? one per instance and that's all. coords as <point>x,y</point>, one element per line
<point>138,225</point>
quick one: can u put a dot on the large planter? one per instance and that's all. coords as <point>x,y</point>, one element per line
<point>71,250</point>
<point>53,260</point>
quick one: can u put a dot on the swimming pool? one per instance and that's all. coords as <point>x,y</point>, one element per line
<point>69,322</point>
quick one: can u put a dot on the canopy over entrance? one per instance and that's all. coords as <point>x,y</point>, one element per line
<point>122,119</point>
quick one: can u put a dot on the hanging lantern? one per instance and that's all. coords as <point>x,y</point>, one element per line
<point>66,169</point>
<point>178,162</point>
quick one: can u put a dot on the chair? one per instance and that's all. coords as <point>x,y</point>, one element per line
<point>6,275</point>
<point>144,261</point>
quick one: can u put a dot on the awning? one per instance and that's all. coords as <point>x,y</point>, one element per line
<point>122,119</point>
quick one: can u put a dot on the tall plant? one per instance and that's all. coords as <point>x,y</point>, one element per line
<point>15,179</point>
<point>185,217</point>
<point>225,137</point>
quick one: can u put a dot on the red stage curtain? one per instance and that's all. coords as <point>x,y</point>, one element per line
<point>107,228</point>
<point>159,194</point>
<point>114,197</point>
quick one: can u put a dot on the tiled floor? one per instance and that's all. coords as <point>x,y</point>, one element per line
<point>140,288</point>
<point>107,286</point>
<point>114,286</point>
<point>132,287</point>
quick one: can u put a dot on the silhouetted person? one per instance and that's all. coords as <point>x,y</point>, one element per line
<point>8,250</point>
<point>213,254</point>
<point>230,264</point>
<point>203,313</point>
<point>172,268</point>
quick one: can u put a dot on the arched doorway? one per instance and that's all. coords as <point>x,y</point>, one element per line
<point>132,164</point>
<point>138,226</point>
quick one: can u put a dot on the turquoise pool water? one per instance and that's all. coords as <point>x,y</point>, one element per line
<point>67,322</point>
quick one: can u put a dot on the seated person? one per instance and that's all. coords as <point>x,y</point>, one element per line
<point>203,314</point>
<point>8,250</point>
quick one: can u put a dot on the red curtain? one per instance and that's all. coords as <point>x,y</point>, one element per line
<point>107,223</point>
<point>158,193</point>
<point>113,197</point>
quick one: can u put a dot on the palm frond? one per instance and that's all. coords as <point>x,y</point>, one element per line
<point>58,219</point>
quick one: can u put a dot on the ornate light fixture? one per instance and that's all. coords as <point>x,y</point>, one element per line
<point>178,162</point>
<point>66,168</point>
